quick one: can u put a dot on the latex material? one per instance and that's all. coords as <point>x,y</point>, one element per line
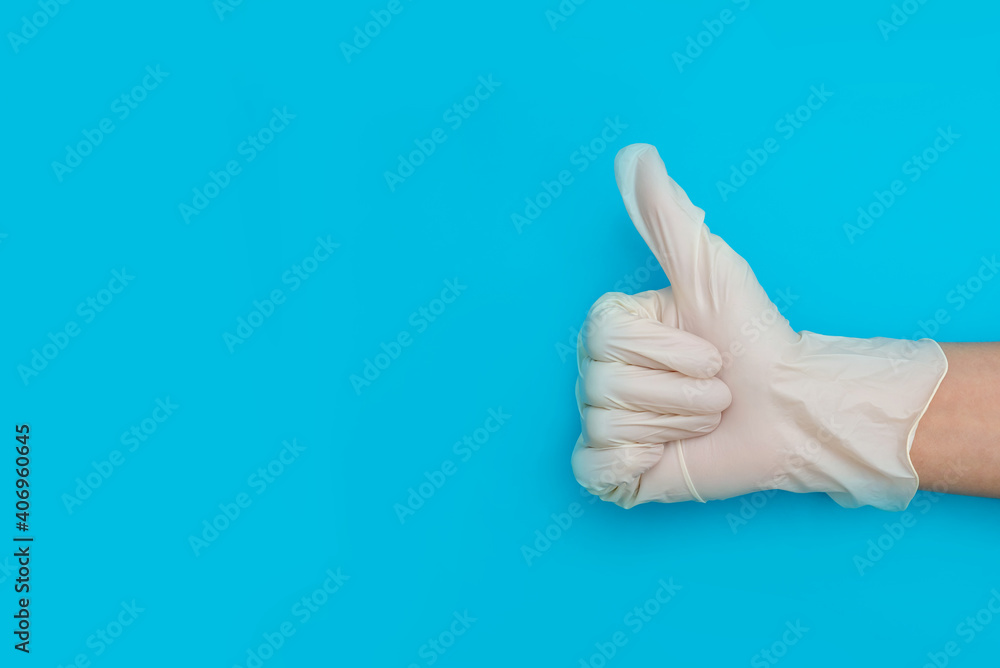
<point>703,391</point>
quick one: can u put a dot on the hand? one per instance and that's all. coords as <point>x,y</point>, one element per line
<point>808,412</point>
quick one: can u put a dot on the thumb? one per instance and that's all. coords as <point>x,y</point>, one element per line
<point>701,267</point>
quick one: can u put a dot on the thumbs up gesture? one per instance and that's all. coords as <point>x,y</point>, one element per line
<point>703,391</point>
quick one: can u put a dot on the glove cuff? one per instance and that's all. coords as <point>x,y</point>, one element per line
<point>864,399</point>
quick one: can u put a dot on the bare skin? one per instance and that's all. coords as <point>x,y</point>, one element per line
<point>957,445</point>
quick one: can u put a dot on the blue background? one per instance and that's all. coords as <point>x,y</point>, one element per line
<point>499,345</point>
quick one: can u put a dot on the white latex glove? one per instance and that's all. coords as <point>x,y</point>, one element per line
<point>809,413</point>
